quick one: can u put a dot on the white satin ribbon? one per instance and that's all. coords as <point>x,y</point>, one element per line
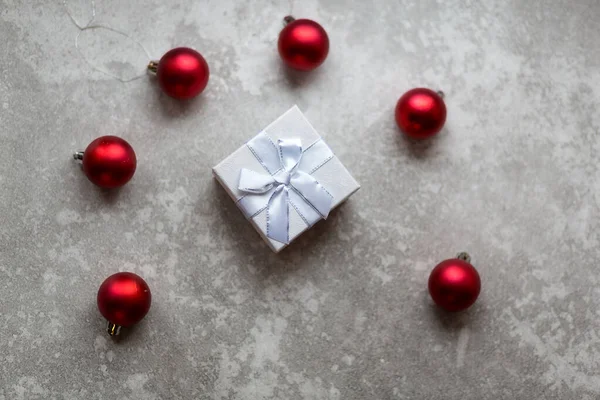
<point>288,183</point>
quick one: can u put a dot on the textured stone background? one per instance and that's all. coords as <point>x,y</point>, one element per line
<point>344,312</point>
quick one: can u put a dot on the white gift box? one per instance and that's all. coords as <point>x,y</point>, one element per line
<point>285,179</point>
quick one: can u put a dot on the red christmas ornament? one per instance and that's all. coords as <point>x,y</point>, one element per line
<point>124,300</point>
<point>303,44</point>
<point>108,161</point>
<point>421,113</point>
<point>454,284</point>
<point>182,73</point>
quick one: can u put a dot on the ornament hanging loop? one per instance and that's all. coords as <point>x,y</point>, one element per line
<point>153,67</point>
<point>113,329</point>
<point>288,19</point>
<point>464,256</point>
<point>78,155</point>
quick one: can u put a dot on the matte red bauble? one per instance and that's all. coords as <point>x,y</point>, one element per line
<point>303,44</point>
<point>108,161</point>
<point>454,284</point>
<point>124,300</point>
<point>182,73</point>
<point>421,113</point>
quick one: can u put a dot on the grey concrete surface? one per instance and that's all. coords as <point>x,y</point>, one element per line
<point>343,313</point>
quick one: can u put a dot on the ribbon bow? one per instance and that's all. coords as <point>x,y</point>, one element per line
<point>286,184</point>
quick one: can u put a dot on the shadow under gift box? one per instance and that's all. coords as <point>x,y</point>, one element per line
<point>330,173</point>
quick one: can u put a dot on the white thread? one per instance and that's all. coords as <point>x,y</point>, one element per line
<point>89,26</point>
<point>93,3</point>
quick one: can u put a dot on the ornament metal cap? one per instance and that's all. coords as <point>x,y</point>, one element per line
<point>78,155</point>
<point>153,67</point>
<point>464,256</point>
<point>113,329</point>
<point>288,19</point>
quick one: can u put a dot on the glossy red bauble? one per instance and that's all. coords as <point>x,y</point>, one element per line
<point>124,299</point>
<point>421,113</point>
<point>109,162</point>
<point>303,44</point>
<point>182,73</point>
<point>454,285</point>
